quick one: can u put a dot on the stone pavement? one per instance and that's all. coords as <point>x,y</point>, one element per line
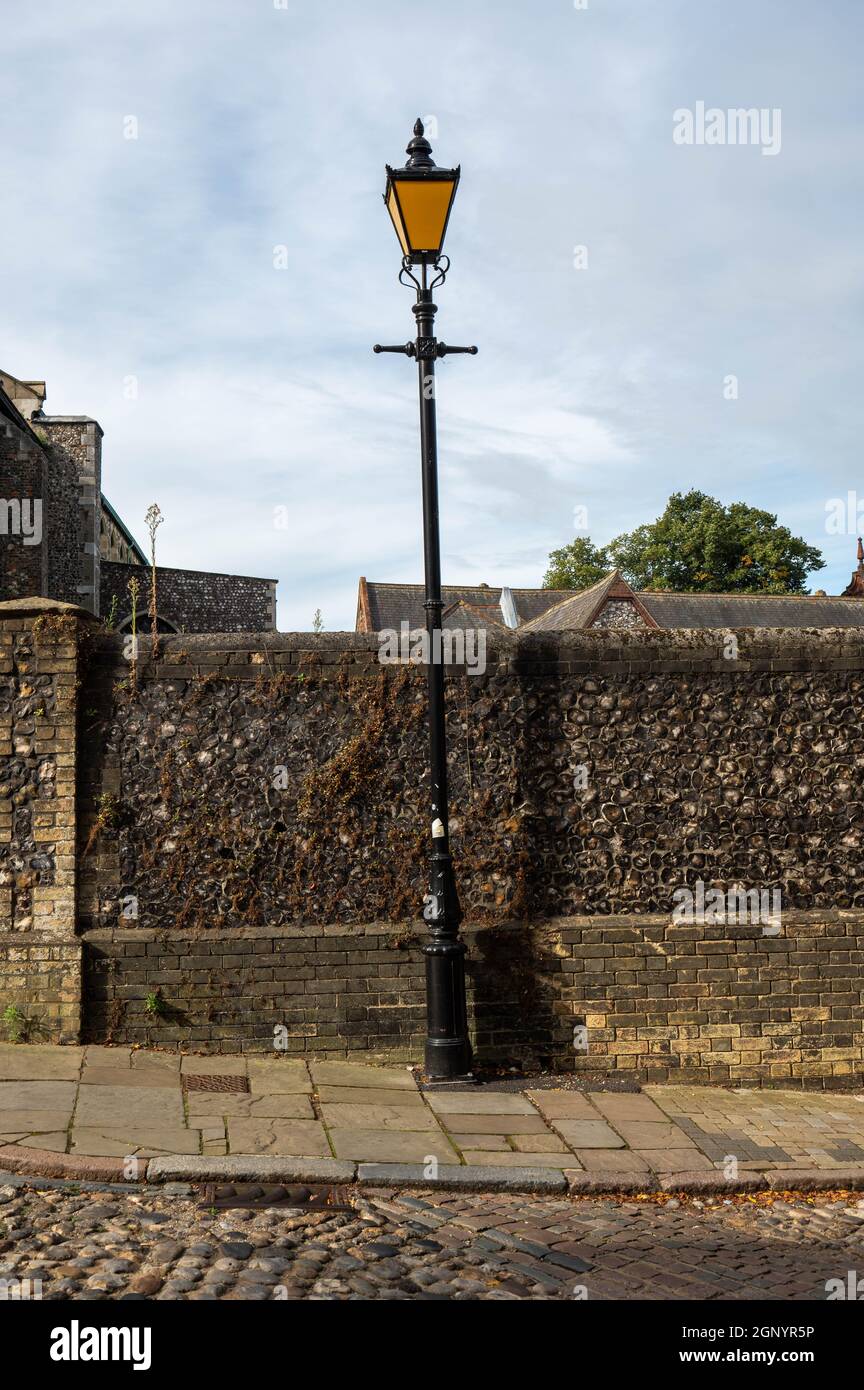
<point>422,1245</point>
<point>118,1103</point>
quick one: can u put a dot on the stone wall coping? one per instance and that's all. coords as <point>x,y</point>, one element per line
<point>24,607</point>
<point>793,917</point>
<point>196,574</point>
<point>680,654</point>
<point>607,644</point>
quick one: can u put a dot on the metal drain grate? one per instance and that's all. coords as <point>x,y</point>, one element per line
<point>302,1196</point>
<point>215,1083</point>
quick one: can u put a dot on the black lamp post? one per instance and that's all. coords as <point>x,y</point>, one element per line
<point>419,198</point>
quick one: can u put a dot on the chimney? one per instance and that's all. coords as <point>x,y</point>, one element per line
<point>508,609</point>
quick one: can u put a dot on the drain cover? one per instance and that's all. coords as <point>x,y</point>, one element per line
<point>302,1196</point>
<point>215,1083</point>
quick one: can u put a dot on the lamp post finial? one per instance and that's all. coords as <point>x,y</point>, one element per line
<point>418,150</point>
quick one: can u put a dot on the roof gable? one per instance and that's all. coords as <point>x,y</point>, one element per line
<point>582,610</point>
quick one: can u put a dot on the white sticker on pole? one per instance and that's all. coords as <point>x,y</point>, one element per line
<point>437,829</point>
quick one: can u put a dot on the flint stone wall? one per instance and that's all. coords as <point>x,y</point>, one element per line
<point>191,600</point>
<point>283,777</point>
<point>272,787</point>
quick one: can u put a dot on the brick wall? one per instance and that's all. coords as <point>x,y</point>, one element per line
<point>251,898</point>
<point>192,600</point>
<point>40,956</point>
<point>658,1001</point>
<point>335,990</point>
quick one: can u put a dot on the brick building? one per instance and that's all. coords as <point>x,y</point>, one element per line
<point>61,539</point>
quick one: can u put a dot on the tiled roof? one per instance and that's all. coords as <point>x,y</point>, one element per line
<point>752,610</point>
<point>462,614</point>
<point>392,604</point>
<point>568,610</point>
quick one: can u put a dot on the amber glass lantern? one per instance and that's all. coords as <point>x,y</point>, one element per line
<point>419,198</point>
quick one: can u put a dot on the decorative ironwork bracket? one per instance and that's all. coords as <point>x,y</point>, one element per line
<point>425,349</point>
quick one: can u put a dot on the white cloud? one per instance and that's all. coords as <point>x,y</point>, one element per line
<point>257,387</point>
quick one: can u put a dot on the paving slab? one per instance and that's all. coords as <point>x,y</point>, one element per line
<point>129,1105</point>
<point>37,1095</point>
<point>537,1143</point>
<point>34,1121</point>
<point>489,1143</point>
<point>479,1103</point>
<point>358,1074</point>
<point>213,1066</point>
<point>54,1142</point>
<point>495,1124</point>
<point>103,1056</point>
<point>141,1060</point>
<point>125,1076</point>
<point>391,1146</point>
<point>650,1135</point>
<point>408,1117</point>
<point>363,1095</point>
<point>33,1062</point>
<point>305,1138</point>
<point>563,1105</point>
<point>589,1134</point>
<point>282,1106</point>
<point>278,1076</point>
<point>107,1141</point>
<point>627,1108</point>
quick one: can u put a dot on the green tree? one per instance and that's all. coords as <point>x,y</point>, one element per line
<point>699,545</point>
<point>577,565</point>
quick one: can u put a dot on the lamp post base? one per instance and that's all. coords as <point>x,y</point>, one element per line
<point>448,1049</point>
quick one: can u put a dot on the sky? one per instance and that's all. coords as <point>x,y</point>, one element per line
<point>196,253</point>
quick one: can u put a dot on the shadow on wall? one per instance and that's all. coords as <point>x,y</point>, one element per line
<point>514,979</point>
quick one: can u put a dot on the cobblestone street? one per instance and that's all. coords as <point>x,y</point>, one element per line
<point>150,1245</point>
